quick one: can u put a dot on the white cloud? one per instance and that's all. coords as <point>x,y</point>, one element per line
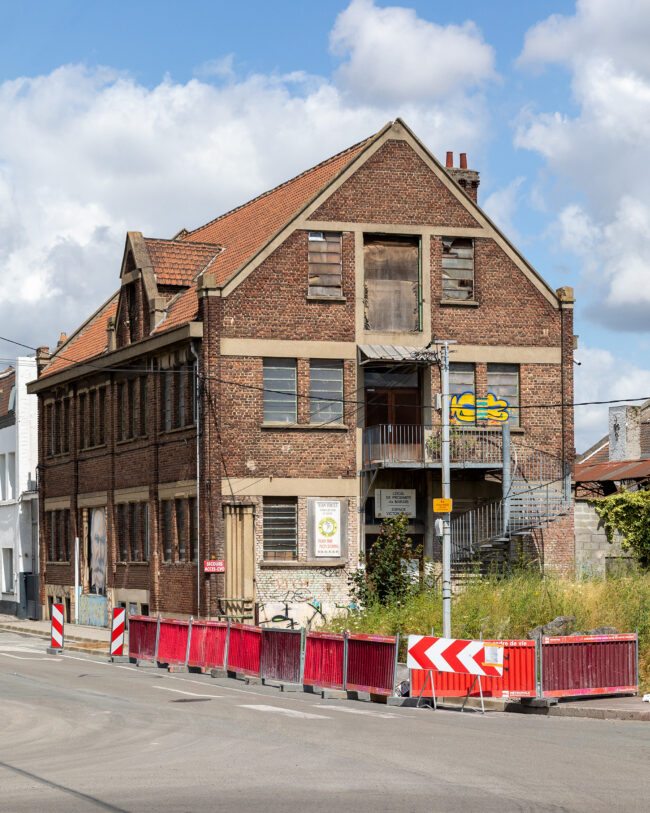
<point>86,155</point>
<point>502,204</point>
<point>600,157</point>
<point>602,376</point>
<point>393,55</point>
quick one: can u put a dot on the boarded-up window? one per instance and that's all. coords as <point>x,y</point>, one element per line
<point>457,268</point>
<point>392,276</point>
<point>325,264</point>
<point>280,520</point>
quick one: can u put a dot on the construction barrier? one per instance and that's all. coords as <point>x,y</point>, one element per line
<point>56,633</point>
<point>142,637</point>
<point>324,660</point>
<point>208,644</point>
<point>281,656</point>
<point>371,663</point>
<point>173,638</point>
<point>117,631</point>
<point>244,649</point>
<point>519,677</point>
<point>588,665</point>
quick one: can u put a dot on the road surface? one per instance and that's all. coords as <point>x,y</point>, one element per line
<point>79,734</point>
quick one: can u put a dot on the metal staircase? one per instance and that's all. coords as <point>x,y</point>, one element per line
<point>536,492</point>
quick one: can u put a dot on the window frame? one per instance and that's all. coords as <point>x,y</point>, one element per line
<point>324,408</point>
<point>321,263</point>
<point>514,412</point>
<point>452,267</point>
<point>273,393</point>
<point>271,511</point>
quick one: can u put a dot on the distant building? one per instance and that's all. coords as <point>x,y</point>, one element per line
<point>18,491</point>
<point>619,459</point>
<point>305,314</point>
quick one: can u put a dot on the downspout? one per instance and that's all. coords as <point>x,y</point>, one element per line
<point>198,479</point>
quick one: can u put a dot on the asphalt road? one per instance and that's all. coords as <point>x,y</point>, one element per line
<point>78,734</point>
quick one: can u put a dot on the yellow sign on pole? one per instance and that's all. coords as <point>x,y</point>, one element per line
<point>442,506</point>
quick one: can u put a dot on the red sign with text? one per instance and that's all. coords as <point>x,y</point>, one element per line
<point>214,566</point>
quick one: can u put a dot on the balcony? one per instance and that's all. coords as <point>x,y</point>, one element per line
<point>412,446</point>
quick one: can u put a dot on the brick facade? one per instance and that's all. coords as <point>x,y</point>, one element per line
<point>268,313</point>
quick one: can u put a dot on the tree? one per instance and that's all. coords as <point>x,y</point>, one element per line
<point>628,513</point>
<point>386,577</point>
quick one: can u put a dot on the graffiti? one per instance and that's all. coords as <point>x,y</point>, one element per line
<point>294,610</point>
<point>93,611</point>
<point>466,408</point>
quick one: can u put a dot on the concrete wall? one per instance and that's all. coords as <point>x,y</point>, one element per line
<point>594,555</point>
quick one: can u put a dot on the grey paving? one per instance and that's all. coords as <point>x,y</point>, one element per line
<point>82,734</point>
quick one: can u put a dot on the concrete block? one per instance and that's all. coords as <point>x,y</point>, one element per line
<point>174,667</point>
<point>54,650</point>
<point>334,694</point>
<point>146,664</point>
<point>291,687</point>
<point>274,684</point>
<point>406,701</point>
<point>120,659</point>
<point>251,680</point>
<point>363,696</point>
<point>218,673</point>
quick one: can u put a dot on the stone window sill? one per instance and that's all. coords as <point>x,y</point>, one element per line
<point>317,298</point>
<point>56,562</point>
<point>84,449</point>
<point>463,303</point>
<point>514,430</point>
<point>123,441</point>
<point>177,429</point>
<point>123,564</point>
<point>297,563</point>
<point>303,426</point>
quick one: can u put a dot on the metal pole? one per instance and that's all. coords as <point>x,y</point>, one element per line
<point>506,478</point>
<point>189,639</point>
<point>198,482</point>
<point>446,494</point>
<point>155,656</point>
<point>395,663</point>
<point>345,661</point>
<point>76,580</point>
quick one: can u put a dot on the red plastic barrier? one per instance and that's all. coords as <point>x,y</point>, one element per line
<point>589,664</point>
<point>172,643</point>
<point>371,663</point>
<point>208,644</point>
<point>281,654</point>
<point>244,649</point>
<point>518,679</point>
<point>324,656</point>
<point>142,637</point>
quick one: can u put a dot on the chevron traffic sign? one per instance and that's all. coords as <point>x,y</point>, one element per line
<point>455,655</point>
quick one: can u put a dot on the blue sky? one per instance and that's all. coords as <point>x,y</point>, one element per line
<point>154,116</point>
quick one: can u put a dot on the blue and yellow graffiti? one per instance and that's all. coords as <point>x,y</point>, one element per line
<point>465,408</point>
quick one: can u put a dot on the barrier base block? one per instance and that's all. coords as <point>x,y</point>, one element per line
<point>291,687</point>
<point>219,673</point>
<point>174,667</point>
<point>146,664</point>
<point>355,695</point>
<point>402,701</point>
<point>54,650</point>
<point>119,659</point>
<point>251,680</point>
<point>334,694</point>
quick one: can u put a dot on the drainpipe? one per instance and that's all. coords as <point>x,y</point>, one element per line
<point>198,480</point>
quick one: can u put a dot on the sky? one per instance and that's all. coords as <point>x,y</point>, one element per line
<point>154,116</point>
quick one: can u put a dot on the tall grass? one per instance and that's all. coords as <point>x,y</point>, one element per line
<point>511,607</point>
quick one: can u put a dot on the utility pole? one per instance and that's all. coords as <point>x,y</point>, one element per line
<point>446,494</point>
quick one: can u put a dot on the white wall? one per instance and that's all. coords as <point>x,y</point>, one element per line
<point>18,464</point>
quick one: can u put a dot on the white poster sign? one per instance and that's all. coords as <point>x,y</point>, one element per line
<point>98,551</point>
<point>327,528</point>
<point>389,502</point>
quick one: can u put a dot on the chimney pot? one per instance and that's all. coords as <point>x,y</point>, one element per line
<point>62,340</point>
<point>463,160</point>
<point>450,159</point>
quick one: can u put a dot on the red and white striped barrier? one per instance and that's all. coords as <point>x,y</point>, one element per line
<point>117,631</point>
<point>56,638</point>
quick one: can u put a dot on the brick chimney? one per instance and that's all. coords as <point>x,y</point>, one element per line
<point>42,358</point>
<point>467,179</point>
<point>624,433</point>
<point>62,340</point>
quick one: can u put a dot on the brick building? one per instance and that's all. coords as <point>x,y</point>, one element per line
<point>301,315</point>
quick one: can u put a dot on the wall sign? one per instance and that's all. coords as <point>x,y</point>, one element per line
<point>327,528</point>
<point>390,502</point>
<point>214,566</point>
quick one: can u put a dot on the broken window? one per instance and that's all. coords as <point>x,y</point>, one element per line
<point>503,393</point>
<point>457,268</point>
<point>392,283</point>
<point>462,404</point>
<point>324,253</point>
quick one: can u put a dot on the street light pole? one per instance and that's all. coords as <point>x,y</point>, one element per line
<point>446,494</point>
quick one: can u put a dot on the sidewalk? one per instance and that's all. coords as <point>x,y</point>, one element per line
<point>76,636</point>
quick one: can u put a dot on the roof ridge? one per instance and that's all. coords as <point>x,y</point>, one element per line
<point>279,186</point>
<point>173,242</point>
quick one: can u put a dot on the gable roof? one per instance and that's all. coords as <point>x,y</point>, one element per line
<point>86,342</point>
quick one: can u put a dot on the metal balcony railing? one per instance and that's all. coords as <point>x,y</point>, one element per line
<point>420,445</point>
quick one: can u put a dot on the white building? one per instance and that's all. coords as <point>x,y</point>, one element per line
<point>18,491</point>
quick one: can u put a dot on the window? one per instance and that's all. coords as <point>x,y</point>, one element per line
<point>143,406</point>
<point>123,523</point>
<point>392,283</point>
<point>11,476</point>
<point>7,570</point>
<point>92,418</point>
<point>280,522</point>
<point>133,529</point>
<point>280,400</point>
<point>83,397</point>
<point>177,398</point>
<point>325,265</point>
<point>457,268</point>
<point>503,393</point>
<point>50,429</point>
<point>145,531</point>
<point>193,528</point>
<point>3,477</point>
<point>58,534</point>
<point>326,391</point>
<point>462,393</point>
<point>167,529</point>
<point>178,523</point>
<point>181,529</point>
